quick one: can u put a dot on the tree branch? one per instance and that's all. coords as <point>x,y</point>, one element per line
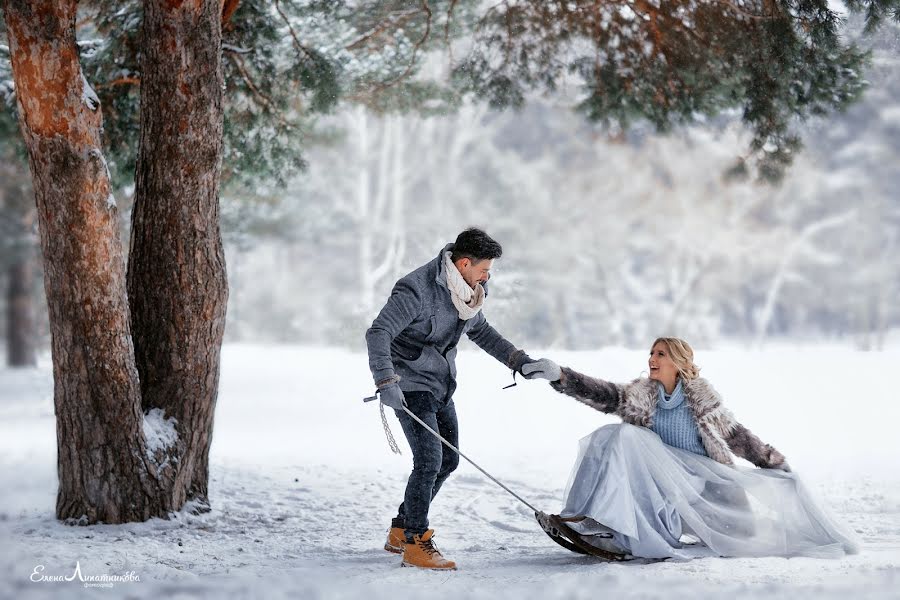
<point>739,10</point>
<point>447,35</point>
<point>398,19</point>
<point>447,24</point>
<point>300,47</point>
<point>412,61</point>
<point>228,9</point>
<point>120,81</point>
<point>261,98</point>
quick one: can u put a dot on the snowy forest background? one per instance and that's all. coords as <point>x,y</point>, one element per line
<point>608,239</point>
<point>611,237</point>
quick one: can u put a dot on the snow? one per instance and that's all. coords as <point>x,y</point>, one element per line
<point>88,95</point>
<point>160,433</point>
<point>303,484</point>
<point>236,49</point>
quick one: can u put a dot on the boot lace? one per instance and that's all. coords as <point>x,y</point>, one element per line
<point>428,547</point>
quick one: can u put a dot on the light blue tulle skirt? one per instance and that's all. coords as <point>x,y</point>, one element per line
<point>658,501</point>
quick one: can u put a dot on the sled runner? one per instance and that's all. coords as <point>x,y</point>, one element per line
<point>544,521</point>
<point>570,539</point>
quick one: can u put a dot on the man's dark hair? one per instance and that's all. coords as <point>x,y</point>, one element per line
<point>475,245</point>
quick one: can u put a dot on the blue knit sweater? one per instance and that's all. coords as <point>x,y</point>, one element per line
<point>674,422</point>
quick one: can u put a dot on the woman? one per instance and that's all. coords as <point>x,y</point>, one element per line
<point>667,471</point>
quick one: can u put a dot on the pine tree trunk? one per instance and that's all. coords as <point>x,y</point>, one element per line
<point>20,333</point>
<point>176,268</point>
<point>103,467</point>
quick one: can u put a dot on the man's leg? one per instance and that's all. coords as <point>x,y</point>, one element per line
<point>431,465</point>
<point>448,427</point>
<point>427,459</point>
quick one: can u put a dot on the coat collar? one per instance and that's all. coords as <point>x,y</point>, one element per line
<point>714,421</point>
<point>698,393</point>
<point>441,277</point>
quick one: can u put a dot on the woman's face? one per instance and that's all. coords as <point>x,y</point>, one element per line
<point>662,369</point>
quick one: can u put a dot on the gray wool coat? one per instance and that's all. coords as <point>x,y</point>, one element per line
<point>635,403</point>
<point>415,335</point>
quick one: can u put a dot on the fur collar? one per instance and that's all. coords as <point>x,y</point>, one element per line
<point>714,421</point>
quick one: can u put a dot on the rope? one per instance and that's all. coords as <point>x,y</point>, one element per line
<point>394,448</point>
<point>455,449</point>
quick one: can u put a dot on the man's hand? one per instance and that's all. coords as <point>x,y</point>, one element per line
<point>391,395</point>
<point>543,369</point>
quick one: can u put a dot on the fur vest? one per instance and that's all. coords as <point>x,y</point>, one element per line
<point>635,403</point>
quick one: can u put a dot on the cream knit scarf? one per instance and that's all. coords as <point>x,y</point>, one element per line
<point>468,302</point>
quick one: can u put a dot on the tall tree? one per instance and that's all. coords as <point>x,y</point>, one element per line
<point>105,473</point>
<point>177,286</point>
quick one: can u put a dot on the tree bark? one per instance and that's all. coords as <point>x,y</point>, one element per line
<point>176,269</point>
<point>105,473</point>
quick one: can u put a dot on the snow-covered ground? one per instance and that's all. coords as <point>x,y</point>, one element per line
<point>303,485</point>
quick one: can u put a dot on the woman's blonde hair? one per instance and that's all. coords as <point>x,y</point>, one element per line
<point>682,355</point>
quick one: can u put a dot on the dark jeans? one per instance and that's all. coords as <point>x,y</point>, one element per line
<point>432,462</point>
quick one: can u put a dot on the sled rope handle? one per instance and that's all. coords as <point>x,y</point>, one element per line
<point>387,432</point>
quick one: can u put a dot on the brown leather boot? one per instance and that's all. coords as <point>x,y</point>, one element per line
<point>422,553</point>
<point>395,540</point>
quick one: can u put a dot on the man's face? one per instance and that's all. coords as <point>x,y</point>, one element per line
<point>475,272</point>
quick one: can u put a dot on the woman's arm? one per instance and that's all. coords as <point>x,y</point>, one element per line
<point>745,444</point>
<point>596,393</point>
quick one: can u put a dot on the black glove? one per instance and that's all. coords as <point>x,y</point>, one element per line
<point>391,395</point>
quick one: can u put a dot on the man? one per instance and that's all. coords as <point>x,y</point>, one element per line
<point>412,355</point>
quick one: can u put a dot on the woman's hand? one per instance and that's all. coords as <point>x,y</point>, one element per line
<point>778,461</point>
